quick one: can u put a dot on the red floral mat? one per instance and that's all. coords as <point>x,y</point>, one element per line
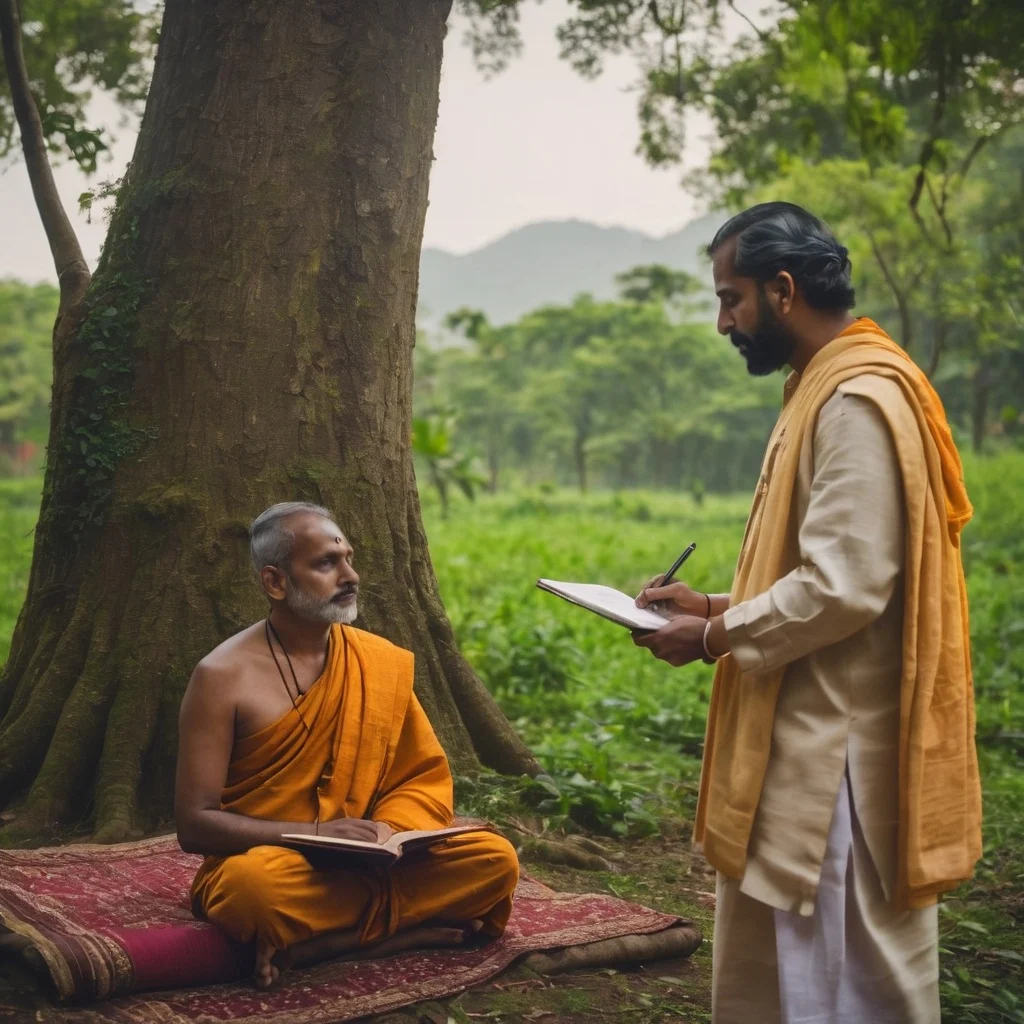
<point>111,921</point>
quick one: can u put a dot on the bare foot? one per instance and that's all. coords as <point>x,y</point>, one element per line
<point>266,972</point>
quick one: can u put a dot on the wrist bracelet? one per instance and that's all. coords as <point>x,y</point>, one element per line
<point>707,597</point>
<point>709,658</point>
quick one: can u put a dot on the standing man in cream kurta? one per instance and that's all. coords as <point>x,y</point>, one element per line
<point>839,793</point>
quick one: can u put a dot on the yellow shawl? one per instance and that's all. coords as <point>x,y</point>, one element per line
<point>939,790</point>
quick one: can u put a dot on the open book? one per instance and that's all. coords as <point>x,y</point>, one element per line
<point>382,853</point>
<point>606,601</point>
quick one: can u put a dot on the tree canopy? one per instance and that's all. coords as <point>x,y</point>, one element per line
<point>631,392</point>
<point>72,48</point>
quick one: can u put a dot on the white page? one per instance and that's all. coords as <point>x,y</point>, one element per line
<point>606,601</point>
<point>391,846</point>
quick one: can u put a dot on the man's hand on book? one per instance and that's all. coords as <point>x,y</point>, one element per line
<point>671,601</point>
<point>384,831</point>
<point>351,828</point>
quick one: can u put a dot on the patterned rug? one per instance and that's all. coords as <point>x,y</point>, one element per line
<point>113,922</point>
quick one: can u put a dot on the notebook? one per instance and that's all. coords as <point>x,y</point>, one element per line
<point>607,602</point>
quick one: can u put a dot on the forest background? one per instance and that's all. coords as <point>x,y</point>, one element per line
<point>575,415</point>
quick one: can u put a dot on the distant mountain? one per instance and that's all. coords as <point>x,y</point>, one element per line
<point>550,262</point>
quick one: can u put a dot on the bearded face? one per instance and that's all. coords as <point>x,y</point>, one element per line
<point>341,607</point>
<point>768,347</point>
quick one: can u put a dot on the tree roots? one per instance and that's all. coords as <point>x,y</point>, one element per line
<point>574,851</point>
<point>680,941</point>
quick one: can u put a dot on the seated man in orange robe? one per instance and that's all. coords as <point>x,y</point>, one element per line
<point>301,723</point>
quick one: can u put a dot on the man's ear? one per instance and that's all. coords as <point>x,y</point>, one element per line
<point>274,582</point>
<point>785,290</point>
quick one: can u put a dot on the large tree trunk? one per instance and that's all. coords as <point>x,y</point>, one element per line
<point>247,339</point>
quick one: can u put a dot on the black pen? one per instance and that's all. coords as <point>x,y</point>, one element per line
<point>667,578</point>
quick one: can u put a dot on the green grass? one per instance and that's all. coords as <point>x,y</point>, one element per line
<point>591,705</point>
<point>19,505</point>
<point>619,733</point>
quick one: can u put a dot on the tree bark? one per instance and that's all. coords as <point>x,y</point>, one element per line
<point>248,339</point>
<point>899,296</point>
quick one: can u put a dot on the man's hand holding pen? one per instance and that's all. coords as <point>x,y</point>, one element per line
<point>673,600</point>
<point>695,632</point>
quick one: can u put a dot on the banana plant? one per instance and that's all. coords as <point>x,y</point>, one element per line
<point>446,467</point>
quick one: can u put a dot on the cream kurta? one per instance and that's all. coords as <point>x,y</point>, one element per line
<point>836,622</point>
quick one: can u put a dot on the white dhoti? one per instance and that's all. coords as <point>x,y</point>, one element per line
<point>855,960</point>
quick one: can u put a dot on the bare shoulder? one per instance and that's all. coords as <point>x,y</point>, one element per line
<point>235,653</point>
<point>216,676</point>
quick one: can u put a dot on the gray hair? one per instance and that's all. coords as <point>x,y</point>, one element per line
<point>270,540</point>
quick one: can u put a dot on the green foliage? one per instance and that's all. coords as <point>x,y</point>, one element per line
<point>19,506</point>
<point>869,80</point>
<point>604,804</point>
<point>616,731</point>
<point>655,283</point>
<point>432,446</point>
<point>27,313</point>
<point>982,954</point>
<point>521,660</point>
<point>73,47</point>
<point>619,734</point>
<point>900,124</point>
<point>621,393</point>
<point>994,559</point>
<point>955,306</point>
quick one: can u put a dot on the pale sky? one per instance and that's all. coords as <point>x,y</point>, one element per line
<point>535,143</point>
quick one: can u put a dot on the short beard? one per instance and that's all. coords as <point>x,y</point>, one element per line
<point>770,347</point>
<point>324,610</point>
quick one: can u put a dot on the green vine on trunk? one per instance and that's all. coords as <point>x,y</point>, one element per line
<point>97,433</point>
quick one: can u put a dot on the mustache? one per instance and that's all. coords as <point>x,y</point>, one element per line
<point>352,590</point>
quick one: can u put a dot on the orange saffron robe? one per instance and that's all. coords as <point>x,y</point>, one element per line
<point>370,753</point>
